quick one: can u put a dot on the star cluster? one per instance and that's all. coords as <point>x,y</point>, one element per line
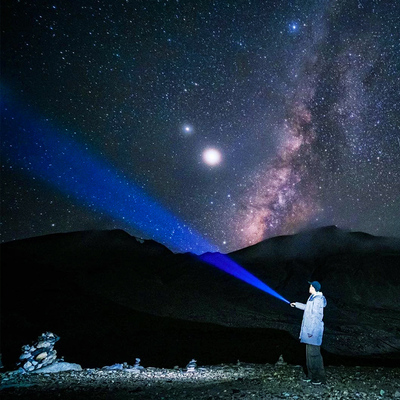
<point>299,102</point>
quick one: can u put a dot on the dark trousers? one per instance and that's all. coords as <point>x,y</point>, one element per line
<point>315,363</point>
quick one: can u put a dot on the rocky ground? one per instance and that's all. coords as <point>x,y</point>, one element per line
<point>239,381</point>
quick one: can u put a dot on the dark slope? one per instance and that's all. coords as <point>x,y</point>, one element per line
<point>317,243</point>
<point>112,298</point>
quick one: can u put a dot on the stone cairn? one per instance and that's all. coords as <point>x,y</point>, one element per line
<point>137,365</point>
<point>39,354</point>
<point>281,362</point>
<point>192,366</point>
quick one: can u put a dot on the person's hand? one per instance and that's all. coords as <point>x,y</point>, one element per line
<point>292,305</point>
<point>309,335</point>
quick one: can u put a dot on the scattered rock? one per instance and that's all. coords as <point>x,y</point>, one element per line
<point>229,381</point>
<point>60,366</point>
<point>113,367</point>
<point>125,367</point>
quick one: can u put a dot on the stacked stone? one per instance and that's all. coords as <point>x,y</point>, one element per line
<point>137,365</point>
<point>40,354</point>
<point>125,366</point>
<point>192,366</point>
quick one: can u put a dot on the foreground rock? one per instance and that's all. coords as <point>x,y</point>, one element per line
<point>39,354</point>
<point>239,381</point>
<point>41,357</point>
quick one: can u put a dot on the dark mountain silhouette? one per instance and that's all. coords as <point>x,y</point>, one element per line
<point>322,242</point>
<point>112,297</point>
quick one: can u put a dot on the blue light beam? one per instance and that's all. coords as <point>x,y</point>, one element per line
<point>67,165</point>
<point>226,264</point>
<point>75,171</point>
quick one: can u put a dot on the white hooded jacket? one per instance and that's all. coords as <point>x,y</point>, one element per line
<point>312,327</point>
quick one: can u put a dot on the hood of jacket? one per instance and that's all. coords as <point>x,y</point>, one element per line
<point>319,294</point>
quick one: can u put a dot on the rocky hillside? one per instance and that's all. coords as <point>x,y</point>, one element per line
<point>110,296</point>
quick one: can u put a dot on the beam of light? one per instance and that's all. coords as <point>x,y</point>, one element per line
<point>67,165</point>
<point>70,167</point>
<point>226,264</point>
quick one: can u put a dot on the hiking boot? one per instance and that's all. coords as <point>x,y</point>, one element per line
<point>316,382</point>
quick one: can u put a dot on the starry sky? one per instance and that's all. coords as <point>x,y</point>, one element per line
<point>243,120</point>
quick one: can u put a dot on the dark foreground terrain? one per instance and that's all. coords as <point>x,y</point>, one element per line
<point>111,296</point>
<point>239,381</point>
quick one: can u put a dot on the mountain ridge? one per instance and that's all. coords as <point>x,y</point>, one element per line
<point>98,271</point>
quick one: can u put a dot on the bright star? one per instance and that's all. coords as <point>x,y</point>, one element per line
<point>187,129</point>
<point>293,27</point>
<point>212,156</point>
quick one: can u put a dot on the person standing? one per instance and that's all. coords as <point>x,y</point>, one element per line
<point>312,329</point>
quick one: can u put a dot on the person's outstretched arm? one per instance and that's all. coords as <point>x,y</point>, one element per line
<point>300,306</point>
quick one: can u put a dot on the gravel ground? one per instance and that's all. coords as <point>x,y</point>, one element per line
<point>240,381</point>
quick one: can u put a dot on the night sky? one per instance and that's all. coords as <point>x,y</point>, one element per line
<point>234,120</point>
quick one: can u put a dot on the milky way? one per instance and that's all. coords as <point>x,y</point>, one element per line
<point>301,100</point>
<point>284,194</point>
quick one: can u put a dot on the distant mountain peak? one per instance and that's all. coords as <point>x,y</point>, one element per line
<point>317,242</point>
<point>324,229</point>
